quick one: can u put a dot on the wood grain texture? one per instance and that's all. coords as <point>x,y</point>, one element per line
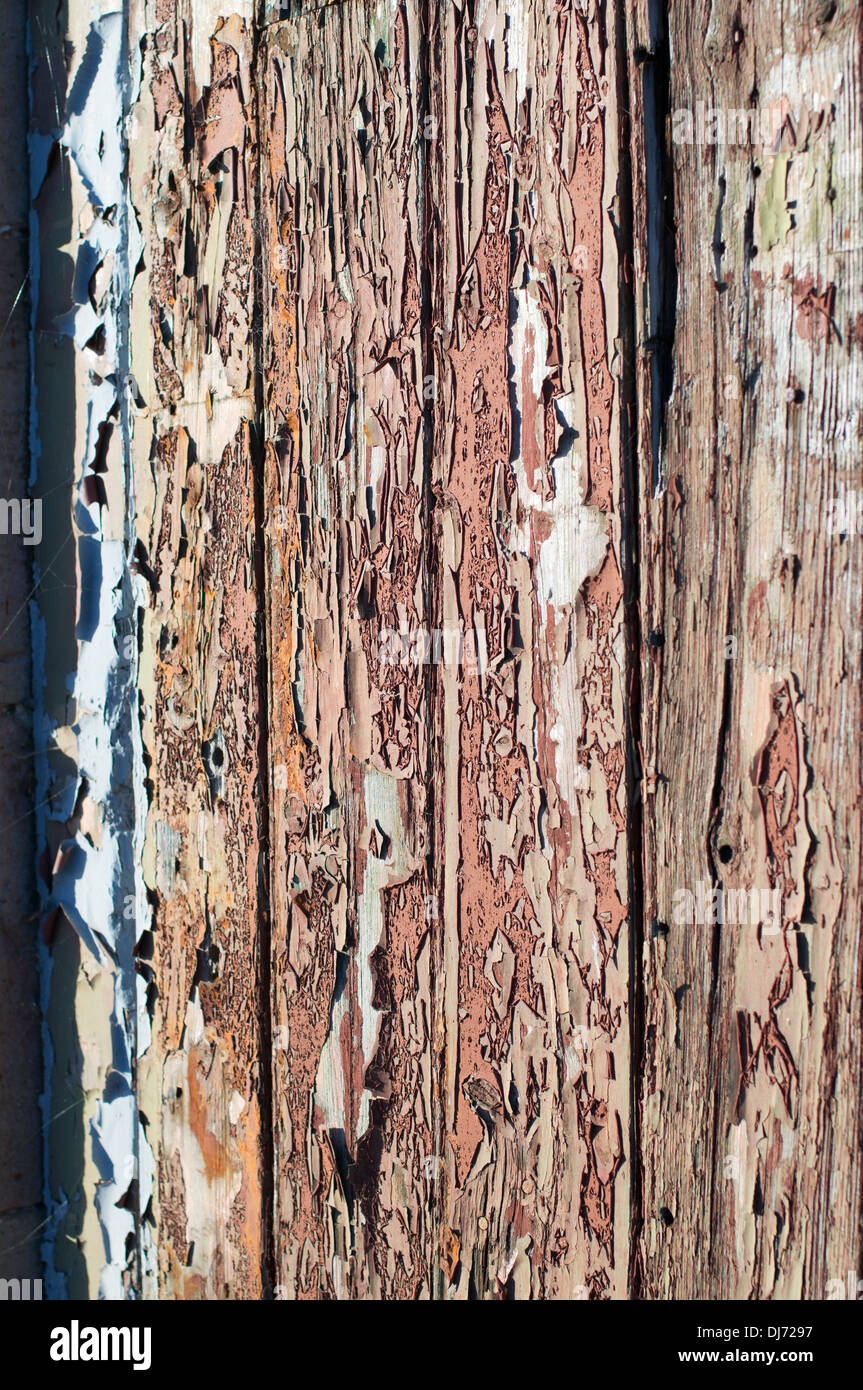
<point>750,1085</point>
<point>487,432</point>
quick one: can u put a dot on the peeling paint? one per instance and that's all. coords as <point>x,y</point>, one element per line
<point>441,453</point>
<point>94,880</point>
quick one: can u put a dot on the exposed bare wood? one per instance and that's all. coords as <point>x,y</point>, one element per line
<point>750,1119</point>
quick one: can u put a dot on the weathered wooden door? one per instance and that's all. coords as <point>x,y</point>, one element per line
<point>447,415</point>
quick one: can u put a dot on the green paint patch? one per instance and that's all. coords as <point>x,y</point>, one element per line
<point>774,219</point>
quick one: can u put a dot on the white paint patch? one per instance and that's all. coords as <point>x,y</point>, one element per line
<point>576,543</point>
<point>518,13</point>
<point>100,886</point>
<point>383,813</point>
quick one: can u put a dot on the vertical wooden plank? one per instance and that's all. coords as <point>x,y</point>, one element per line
<point>89,776</point>
<point>751,603</point>
<point>203,1087</point>
<point>21,1148</point>
<point>527,753</point>
<point>530,740</point>
<point>349,716</point>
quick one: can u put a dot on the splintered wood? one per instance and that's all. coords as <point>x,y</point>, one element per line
<point>494,435</point>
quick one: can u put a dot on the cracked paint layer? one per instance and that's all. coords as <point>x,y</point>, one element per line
<point>347,558</point>
<point>441,597</point>
<point>449,880</point>
<point>193,180</point>
<point>533,869</point>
